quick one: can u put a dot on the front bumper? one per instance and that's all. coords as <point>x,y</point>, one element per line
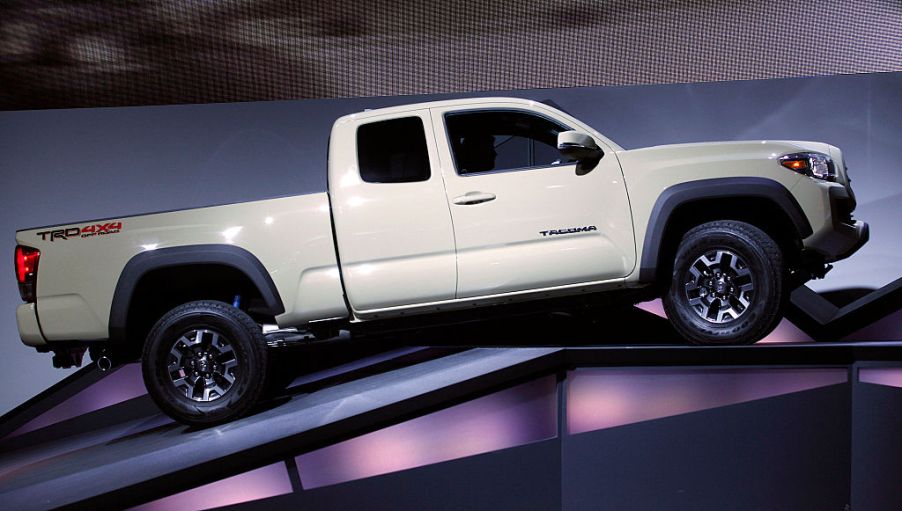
<point>862,235</point>
<point>845,234</point>
<point>29,330</point>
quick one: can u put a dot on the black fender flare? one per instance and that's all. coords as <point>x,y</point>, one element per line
<point>718,188</point>
<point>225,255</point>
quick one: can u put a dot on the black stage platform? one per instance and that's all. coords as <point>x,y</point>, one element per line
<point>799,417</point>
<point>603,410</point>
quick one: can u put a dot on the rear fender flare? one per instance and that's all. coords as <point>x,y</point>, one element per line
<point>225,255</point>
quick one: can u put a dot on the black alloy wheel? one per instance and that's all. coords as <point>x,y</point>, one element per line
<point>205,362</point>
<point>727,285</point>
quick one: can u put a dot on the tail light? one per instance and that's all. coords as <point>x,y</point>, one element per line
<point>27,271</point>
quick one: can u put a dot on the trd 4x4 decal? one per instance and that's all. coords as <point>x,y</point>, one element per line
<point>82,232</point>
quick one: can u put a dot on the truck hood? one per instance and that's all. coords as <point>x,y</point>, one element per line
<point>666,156</point>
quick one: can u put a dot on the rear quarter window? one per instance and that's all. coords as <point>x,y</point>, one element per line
<point>393,151</point>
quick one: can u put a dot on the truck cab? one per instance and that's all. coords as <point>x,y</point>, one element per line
<point>444,204</point>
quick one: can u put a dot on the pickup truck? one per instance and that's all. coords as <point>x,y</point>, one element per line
<point>438,212</point>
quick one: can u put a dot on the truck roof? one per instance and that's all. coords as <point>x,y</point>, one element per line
<point>476,101</point>
<point>447,102</point>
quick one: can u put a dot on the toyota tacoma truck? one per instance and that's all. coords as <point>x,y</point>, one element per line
<point>438,212</point>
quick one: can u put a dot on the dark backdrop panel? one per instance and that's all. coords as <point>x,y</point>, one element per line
<point>783,453</point>
<point>876,447</point>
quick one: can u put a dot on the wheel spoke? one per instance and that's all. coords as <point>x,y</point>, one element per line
<point>223,349</point>
<point>189,388</point>
<point>718,257</point>
<point>695,273</point>
<point>739,270</point>
<point>724,312</point>
<point>191,342</point>
<point>228,378</point>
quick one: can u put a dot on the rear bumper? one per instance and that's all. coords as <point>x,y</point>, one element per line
<point>29,330</point>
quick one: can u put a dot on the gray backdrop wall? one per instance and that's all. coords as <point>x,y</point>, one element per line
<point>61,166</point>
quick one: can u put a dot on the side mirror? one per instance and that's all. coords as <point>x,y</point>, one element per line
<point>581,147</point>
<point>578,146</point>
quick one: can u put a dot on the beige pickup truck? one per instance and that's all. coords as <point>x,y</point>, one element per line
<point>434,211</point>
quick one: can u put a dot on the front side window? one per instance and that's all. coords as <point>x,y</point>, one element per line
<point>393,151</point>
<point>484,141</point>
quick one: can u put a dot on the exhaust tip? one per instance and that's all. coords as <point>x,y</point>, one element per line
<point>104,363</point>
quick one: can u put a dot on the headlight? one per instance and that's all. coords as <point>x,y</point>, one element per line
<point>810,164</point>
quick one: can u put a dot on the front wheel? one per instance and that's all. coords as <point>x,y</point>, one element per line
<point>205,362</point>
<point>727,284</point>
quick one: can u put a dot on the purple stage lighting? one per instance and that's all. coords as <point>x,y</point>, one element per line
<point>119,386</point>
<point>888,376</point>
<point>516,416</point>
<point>605,398</point>
<point>260,483</point>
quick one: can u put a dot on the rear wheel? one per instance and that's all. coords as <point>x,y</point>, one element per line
<point>727,284</point>
<point>205,362</point>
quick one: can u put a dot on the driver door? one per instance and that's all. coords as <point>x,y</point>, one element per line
<point>523,217</point>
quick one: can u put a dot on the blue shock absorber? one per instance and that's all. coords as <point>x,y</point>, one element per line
<point>236,302</point>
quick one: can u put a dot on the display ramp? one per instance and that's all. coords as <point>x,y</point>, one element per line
<point>146,454</point>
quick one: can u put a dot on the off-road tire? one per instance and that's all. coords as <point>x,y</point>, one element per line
<point>250,354</point>
<point>757,252</point>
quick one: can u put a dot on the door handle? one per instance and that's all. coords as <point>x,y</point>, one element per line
<point>471,198</point>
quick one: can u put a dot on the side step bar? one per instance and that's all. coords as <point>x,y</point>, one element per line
<point>287,337</point>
